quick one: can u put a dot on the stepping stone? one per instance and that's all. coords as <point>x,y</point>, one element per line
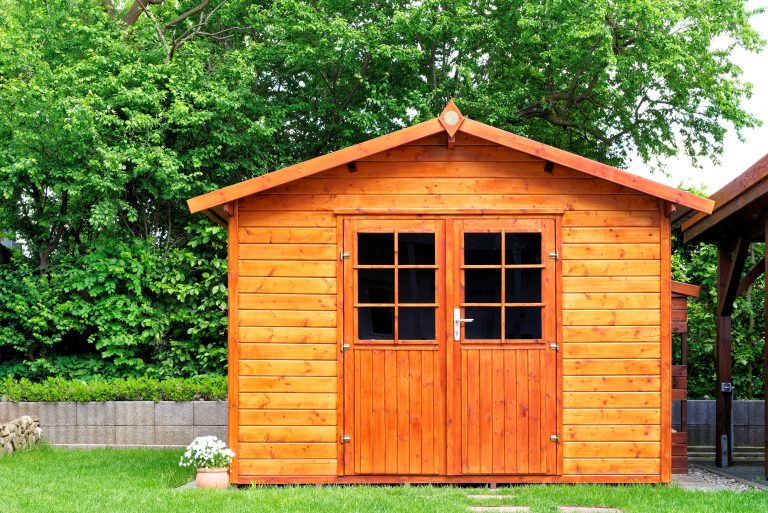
<point>586,509</point>
<point>500,509</point>
<point>483,497</point>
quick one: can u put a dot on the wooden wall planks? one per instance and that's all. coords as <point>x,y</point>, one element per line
<point>610,299</point>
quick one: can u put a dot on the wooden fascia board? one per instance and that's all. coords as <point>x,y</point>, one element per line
<point>586,165</point>
<point>315,165</point>
<point>753,175</point>
<point>686,289</point>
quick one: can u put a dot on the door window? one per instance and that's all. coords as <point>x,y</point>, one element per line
<point>395,273</point>
<point>502,285</point>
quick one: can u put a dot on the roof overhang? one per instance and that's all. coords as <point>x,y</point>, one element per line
<point>740,204</point>
<point>451,121</point>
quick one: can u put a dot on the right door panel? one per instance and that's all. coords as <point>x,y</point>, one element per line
<point>503,403</point>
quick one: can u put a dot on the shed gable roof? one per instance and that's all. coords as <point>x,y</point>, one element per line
<point>450,121</point>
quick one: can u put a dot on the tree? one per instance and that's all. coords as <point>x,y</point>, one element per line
<point>114,113</point>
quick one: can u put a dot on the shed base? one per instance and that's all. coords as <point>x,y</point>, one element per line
<point>480,480</point>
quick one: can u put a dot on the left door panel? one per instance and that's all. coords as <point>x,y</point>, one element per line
<point>394,369</point>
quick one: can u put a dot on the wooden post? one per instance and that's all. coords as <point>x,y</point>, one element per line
<point>724,400</point>
<point>765,357</point>
<point>684,363</point>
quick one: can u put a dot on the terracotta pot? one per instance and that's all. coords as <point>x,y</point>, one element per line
<point>212,478</point>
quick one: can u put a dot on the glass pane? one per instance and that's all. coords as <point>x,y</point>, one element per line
<point>522,248</point>
<point>486,323</point>
<point>523,286</point>
<point>376,248</point>
<point>376,286</point>
<point>376,323</point>
<point>522,323</point>
<point>416,285</point>
<point>416,323</point>
<point>482,285</point>
<point>416,249</point>
<point>482,249</point>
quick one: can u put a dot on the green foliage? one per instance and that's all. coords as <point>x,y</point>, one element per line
<point>201,388</point>
<point>698,265</point>
<point>109,123</point>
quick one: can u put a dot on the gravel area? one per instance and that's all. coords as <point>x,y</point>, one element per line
<point>719,481</point>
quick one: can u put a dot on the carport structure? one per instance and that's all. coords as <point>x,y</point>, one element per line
<point>739,219</point>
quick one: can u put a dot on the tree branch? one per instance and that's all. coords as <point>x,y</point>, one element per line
<point>138,7</point>
<point>202,5</point>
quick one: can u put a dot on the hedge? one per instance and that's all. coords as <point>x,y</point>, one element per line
<point>202,388</point>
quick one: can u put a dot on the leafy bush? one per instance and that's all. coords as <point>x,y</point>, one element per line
<point>208,388</point>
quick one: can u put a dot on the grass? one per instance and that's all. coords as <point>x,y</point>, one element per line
<point>143,481</point>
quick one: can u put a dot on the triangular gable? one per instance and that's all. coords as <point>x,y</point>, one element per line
<point>450,121</point>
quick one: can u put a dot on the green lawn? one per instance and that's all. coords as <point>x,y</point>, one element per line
<point>143,481</point>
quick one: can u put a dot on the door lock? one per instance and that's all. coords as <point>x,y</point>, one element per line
<point>457,320</point>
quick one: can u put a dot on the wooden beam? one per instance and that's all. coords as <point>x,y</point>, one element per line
<point>216,218</point>
<point>754,174</point>
<point>723,400</point>
<point>751,276</point>
<point>727,294</point>
<point>694,228</point>
<point>681,214</point>
<point>586,165</point>
<point>765,357</point>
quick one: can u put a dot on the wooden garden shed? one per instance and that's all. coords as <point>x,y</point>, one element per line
<point>449,303</point>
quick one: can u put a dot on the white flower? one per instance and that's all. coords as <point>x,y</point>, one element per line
<point>207,452</point>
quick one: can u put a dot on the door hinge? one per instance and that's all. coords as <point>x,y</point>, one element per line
<point>345,439</point>
<point>345,347</point>
<point>554,438</point>
<point>556,347</point>
<point>344,255</point>
<point>554,254</point>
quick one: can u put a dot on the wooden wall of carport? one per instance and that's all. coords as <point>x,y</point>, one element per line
<point>615,327</point>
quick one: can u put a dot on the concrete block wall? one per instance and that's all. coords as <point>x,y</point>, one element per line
<point>123,423</point>
<point>748,427</point>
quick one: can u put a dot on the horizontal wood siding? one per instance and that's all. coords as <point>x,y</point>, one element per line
<point>611,313</point>
<point>287,371</point>
<point>610,300</point>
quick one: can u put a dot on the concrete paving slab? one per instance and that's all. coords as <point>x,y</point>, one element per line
<point>192,485</point>
<point>586,509</point>
<point>493,497</point>
<point>500,509</point>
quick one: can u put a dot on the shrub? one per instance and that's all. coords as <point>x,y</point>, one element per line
<point>199,388</point>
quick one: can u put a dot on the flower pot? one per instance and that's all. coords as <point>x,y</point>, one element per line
<point>212,478</point>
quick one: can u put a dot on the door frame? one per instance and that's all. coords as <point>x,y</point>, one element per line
<point>345,368</point>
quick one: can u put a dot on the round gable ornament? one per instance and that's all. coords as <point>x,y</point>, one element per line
<point>451,117</point>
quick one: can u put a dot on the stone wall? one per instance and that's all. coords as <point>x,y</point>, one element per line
<point>18,434</point>
<point>123,423</point>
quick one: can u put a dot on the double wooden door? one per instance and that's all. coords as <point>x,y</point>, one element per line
<point>448,368</point>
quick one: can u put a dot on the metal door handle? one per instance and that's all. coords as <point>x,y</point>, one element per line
<point>457,320</point>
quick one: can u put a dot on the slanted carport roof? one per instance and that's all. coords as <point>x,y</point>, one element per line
<point>739,207</point>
